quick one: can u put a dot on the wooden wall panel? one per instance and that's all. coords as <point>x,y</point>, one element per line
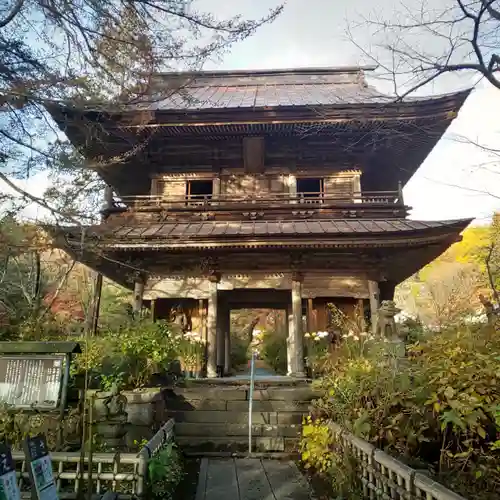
<point>334,286</point>
<point>342,184</point>
<point>257,280</point>
<point>179,287</point>
<point>170,188</point>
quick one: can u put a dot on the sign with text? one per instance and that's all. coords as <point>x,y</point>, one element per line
<point>31,380</point>
<point>37,455</point>
<point>9,489</point>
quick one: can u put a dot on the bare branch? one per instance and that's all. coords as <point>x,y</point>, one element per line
<point>12,14</point>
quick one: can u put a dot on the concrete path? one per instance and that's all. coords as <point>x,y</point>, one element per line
<point>262,371</point>
<point>250,479</point>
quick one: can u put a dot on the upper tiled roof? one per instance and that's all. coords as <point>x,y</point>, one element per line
<point>260,89</point>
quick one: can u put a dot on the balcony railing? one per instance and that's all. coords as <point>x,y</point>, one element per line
<point>375,199</point>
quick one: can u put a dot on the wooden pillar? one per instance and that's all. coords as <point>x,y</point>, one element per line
<point>212,329</point>
<point>138,293</point>
<point>153,310</point>
<point>216,188</point>
<point>227,343</point>
<point>202,313</point>
<point>289,342</point>
<point>297,347</point>
<point>292,188</point>
<point>374,293</point>
<point>108,197</point>
<point>221,338</point>
<point>311,326</point>
<point>361,312</point>
<point>357,188</point>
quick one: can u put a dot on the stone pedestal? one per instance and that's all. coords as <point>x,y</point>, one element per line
<point>109,418</point>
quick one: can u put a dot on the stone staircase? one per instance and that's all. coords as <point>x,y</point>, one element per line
<point>213,417</point>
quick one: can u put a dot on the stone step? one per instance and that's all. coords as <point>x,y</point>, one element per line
<point>233,417</point>
<point>241,406</point>
<point>236,444</point>
<point>300,394</point>
<point>225,430</point>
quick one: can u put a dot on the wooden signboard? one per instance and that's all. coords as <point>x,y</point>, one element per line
<point>9,489</point>
<point>31,380</point>
<point>43,485</point>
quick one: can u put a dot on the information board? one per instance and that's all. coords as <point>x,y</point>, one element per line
<point>37,455</point>
<point>9,489</point>
<point>31,380</point>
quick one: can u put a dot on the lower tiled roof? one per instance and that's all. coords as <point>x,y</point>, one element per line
<point>241,229</point>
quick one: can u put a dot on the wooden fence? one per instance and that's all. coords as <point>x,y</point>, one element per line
<point>384,477</point>
<point>123,473</point>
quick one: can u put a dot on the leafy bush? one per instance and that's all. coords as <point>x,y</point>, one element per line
<point>129,354</point>
<point>165,473</point>
<point>239,352</point>
<point>321,453</point>
<point>438,407</point>
<point>274,351</point>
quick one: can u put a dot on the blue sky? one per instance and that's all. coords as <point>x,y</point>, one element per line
<point>457,179</point>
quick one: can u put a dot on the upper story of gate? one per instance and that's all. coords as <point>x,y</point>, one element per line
<point>286,144</point>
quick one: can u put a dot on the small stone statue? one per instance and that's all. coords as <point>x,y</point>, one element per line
<point>386,328</point>
<point>386,325</point>
<point>115,406</point>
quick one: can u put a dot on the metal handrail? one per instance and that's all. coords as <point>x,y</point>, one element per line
<point>250,401</point>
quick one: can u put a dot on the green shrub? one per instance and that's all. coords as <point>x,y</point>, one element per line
<point>165,473</point>
<point>239,352</point>
<point>274,351</point>
<point>129,354</point>
<point>439,406</point>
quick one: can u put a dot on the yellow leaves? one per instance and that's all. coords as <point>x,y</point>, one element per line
<point>449,392</point>
<point>437,407</point>
<point>481,432</point>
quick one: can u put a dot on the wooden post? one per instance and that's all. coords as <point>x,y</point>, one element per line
<point>212,329</point>
<point>401,200</point>
<point>311,327</point>
<point>290,342</point>
<point>138,293</point>
<point>292,188</point>
<point>216,188</point>
<point>361,308</point>
<point>202,313</point>
<point>374,293</point>
<point>153,310</point>
<point>227,337</point>
<point>108,197</point>
<point>298,347</point>
<point>221,338</point>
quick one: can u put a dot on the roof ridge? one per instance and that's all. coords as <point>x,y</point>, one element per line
<point>274,71</point>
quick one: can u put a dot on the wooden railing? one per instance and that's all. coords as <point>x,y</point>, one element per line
<point>123,473</point>
<point>229,201</point>
<point>384,477</point>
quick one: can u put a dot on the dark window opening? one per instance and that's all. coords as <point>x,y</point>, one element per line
<point>308,188</point>
<point>199,190</point>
